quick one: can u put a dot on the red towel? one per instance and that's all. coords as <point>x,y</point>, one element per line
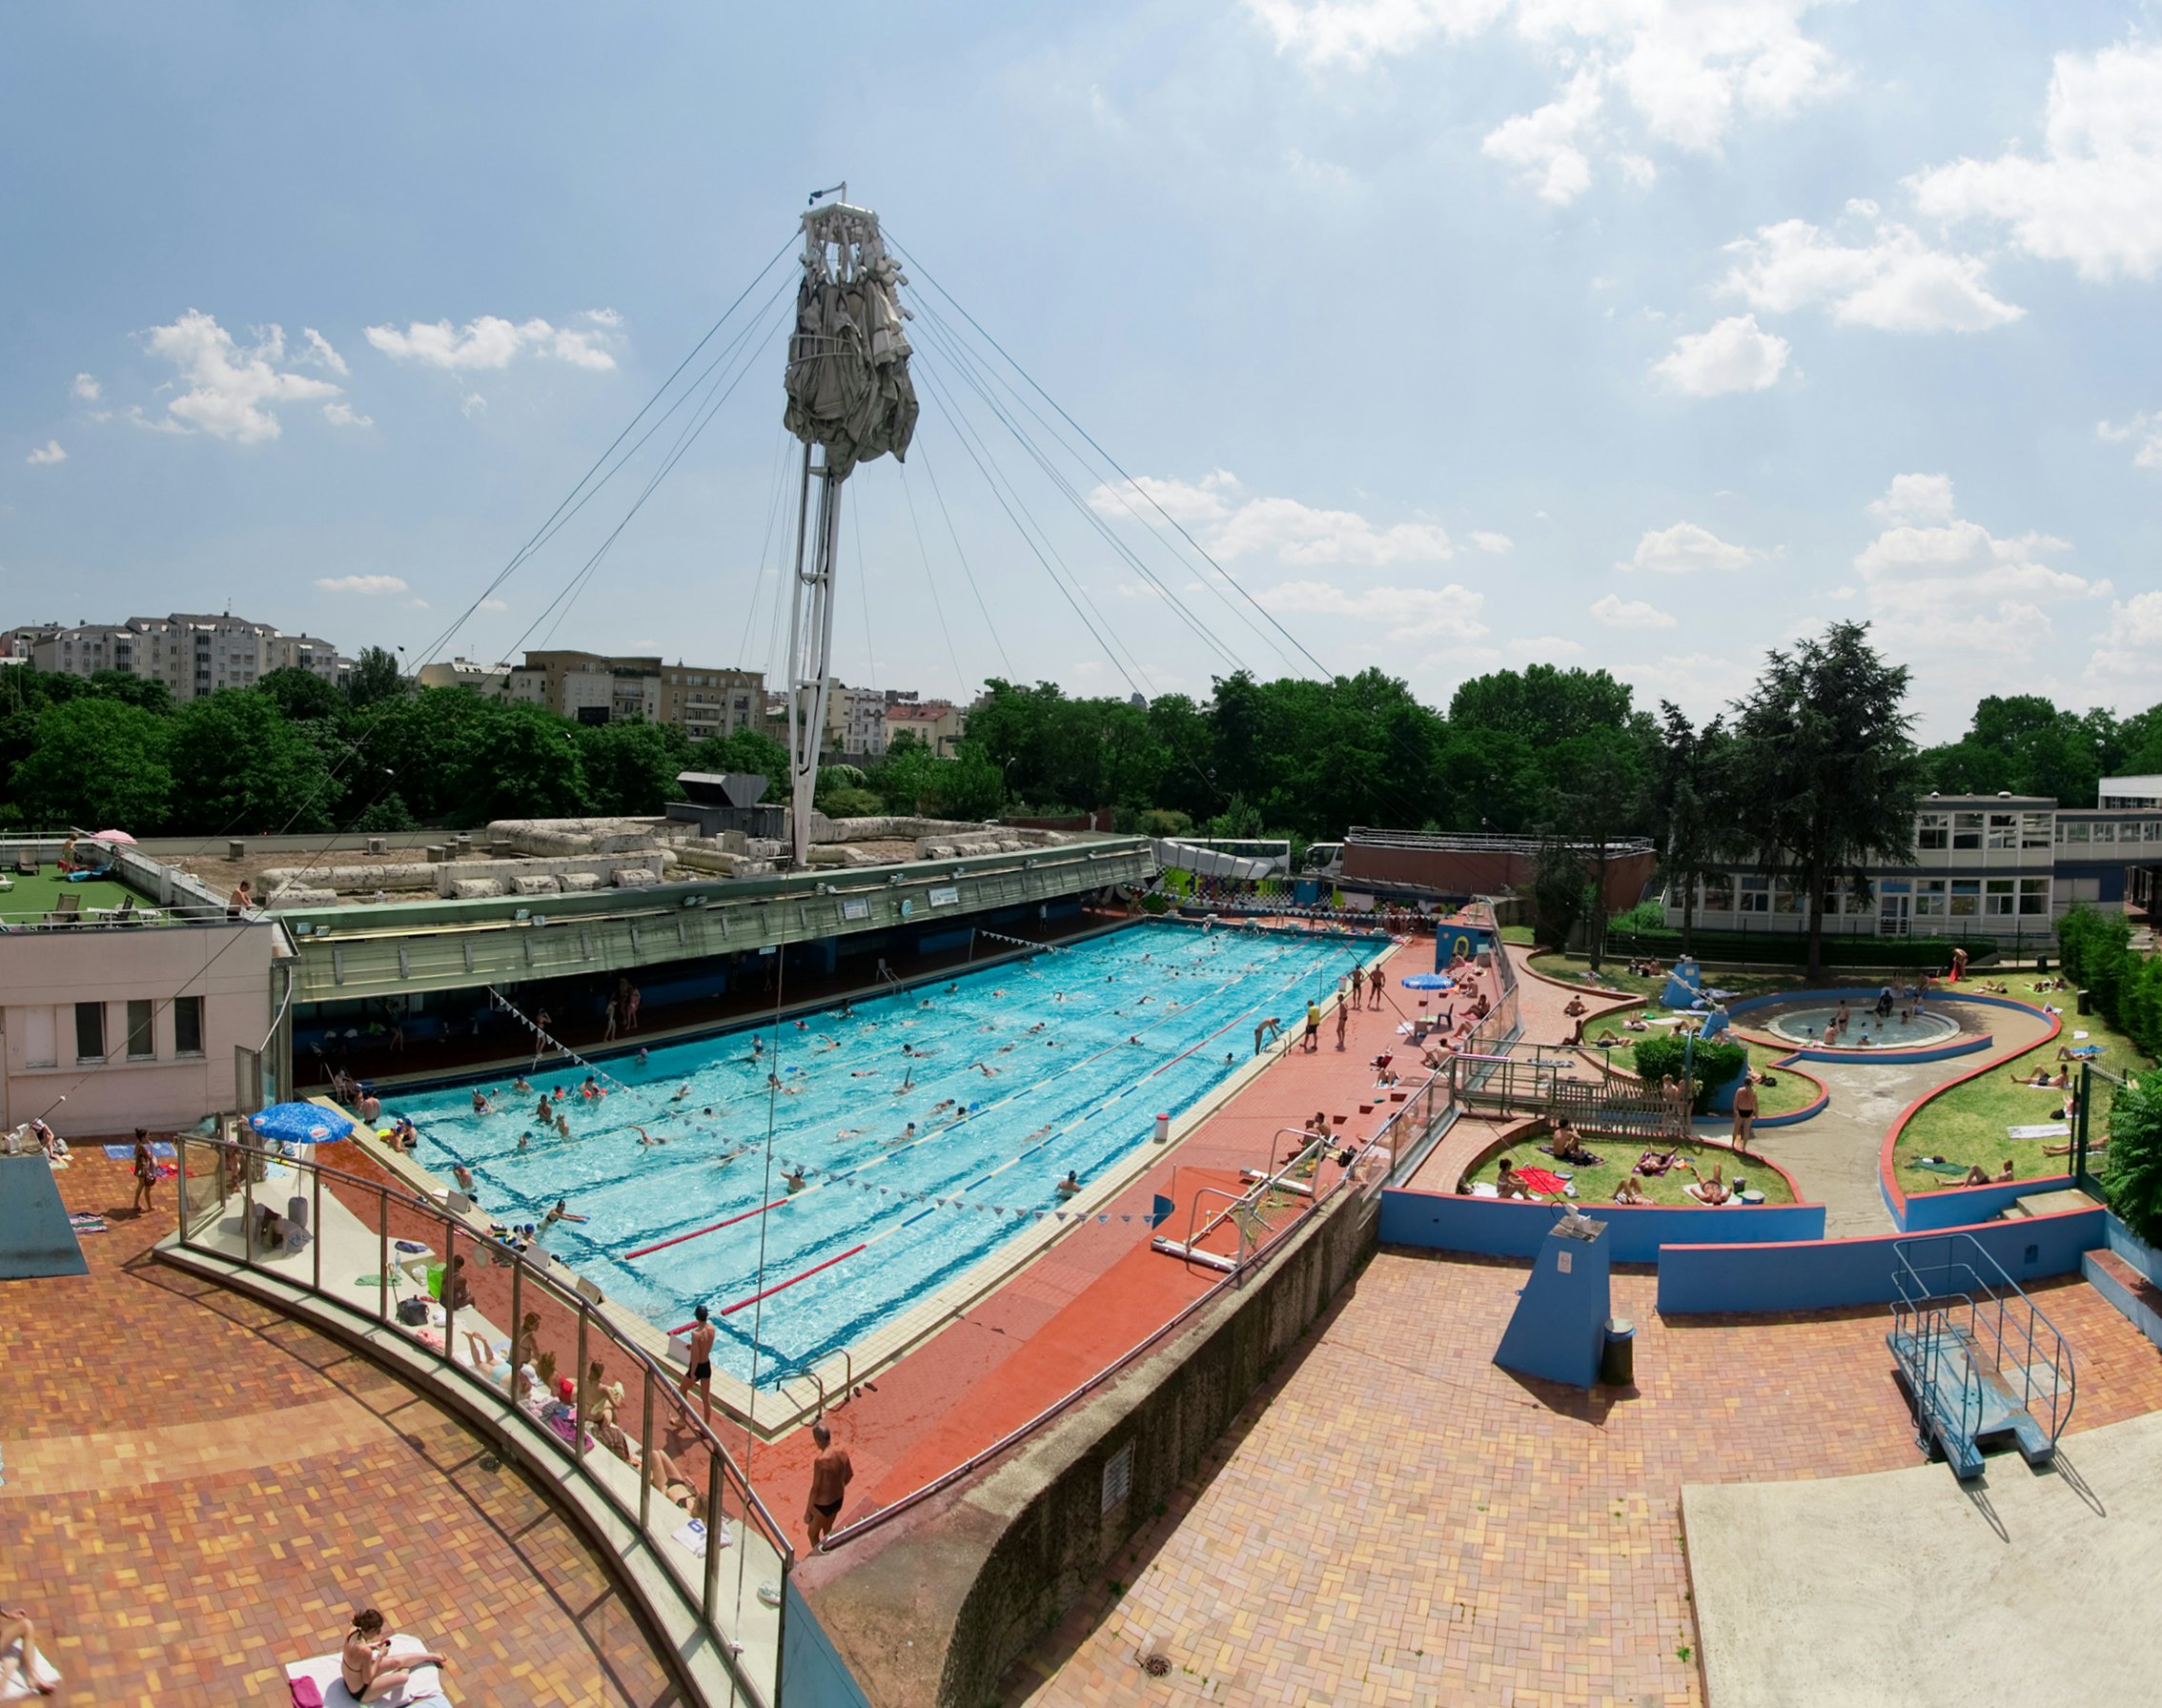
<point>1539,1180</point>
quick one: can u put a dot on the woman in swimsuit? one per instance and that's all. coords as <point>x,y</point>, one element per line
<point>365,1665</point>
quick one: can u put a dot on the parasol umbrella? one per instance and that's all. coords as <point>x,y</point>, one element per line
<point>111,836</point>
<point>301,1124</point>
<point>1427,981</point>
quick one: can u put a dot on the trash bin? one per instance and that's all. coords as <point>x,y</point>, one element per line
<point>1618,1360</point>
<point>2086,1002</point>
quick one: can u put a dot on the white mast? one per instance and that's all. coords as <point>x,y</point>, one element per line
<point>850,400</point>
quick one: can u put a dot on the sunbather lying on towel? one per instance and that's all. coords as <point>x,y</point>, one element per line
<point>15,1627</point>
<point>366,1666</point>
<point>1655,1163</point>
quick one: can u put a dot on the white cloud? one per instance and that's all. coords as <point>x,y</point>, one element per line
<point>2145,428</point>
<point>1543,144</point>
<point>2128,661</point>
<point>1488,541</point>
<point>2093,197</point>
<point>1544,647</point>
<point>1892,280</point>
<point>1684,549</point>
<point>1232,525</point>
<point>1684,71</point>
<point>1948,586</point>
<point>1916,499</point>
<point>1617,613</point>
<point>491,341</point>
<point>233,392</point>
<point>320,354</point>
<point>1735,355</point>
<point>370,584</point>
<point>87,388</point>
<point>473,404</point>
<point>1702,683</point>
<point>344,415</point>
<point>494,604</point>
<point>46,455</point>
<point>1411,612</point>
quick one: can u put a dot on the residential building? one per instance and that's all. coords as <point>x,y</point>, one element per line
<point>938,724</point>
<point>2003,865</point>
<point>2130,791</point>
<point>593,688</point>
<point>856,721</point>
<point>464,673</point>
<point>191,654</point>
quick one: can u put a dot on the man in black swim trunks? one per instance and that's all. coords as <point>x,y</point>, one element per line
<point>830,1476</point>
<point>700,1369</point>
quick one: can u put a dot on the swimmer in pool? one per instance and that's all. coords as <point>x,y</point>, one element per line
<point>828,1043</point>
<point>983,1068</point>
<point>944,1103</point>
<point>519,1086</point>
<point>850,1132</point>
<point>1037,1027</point>
<point>647,1138</point>
<point>525,1141</point>
<point>682,1091</point>
<point>562,1212</point>
<point>906,1135</point>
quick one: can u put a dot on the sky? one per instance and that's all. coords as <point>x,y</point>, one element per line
<point>1456,334</point>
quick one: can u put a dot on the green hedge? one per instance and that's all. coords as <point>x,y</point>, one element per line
<point>1791,949</point>
<point>1714,1064</point>
<point>2127,985</point>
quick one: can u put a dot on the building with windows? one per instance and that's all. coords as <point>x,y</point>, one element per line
<point>938,724</point>
<point>191,654</point>
<point>464,673</point>
<point>2003,865</point>
<point>701,701</point>
<point>148,1019</point>
<point>2130,791</point>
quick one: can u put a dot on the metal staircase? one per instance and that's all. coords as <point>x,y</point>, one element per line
<point>1980,1362</point>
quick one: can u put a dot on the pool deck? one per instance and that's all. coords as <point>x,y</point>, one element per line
<point>199,1491</point>
<point>1091,1297</point>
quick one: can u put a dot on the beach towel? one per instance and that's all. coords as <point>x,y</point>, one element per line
<point>1584,1161</point>
<point>87,1222</point>
<point>40,1668</point>
<point>1539,1180</point>
<point>2048,1129</point>
<point>1931,1165</point>
<point>325,1677</point>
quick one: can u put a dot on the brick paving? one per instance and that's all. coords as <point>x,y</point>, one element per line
<point>1396,1521</point>
<point>198,1492</point>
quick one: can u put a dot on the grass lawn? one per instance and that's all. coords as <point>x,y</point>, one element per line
<point>1966,1124</point>
<point>1517,936</point>
<point>36,897</point>
<point>1788,1092</point>
<point>1618,1156</point>
<point>1615,976</point>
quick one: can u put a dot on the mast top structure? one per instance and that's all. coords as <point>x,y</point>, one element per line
<point>848,382</point>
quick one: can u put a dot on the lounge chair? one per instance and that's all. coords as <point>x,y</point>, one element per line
<point>66,910</point>
<point>26,862</point>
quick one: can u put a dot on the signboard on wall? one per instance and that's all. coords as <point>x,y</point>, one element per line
<point>949,896</point>
<point>856,910</point>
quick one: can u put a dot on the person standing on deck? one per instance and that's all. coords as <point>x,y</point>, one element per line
<point>697,1372</point>
<point>1744,1111</point>
<point>832,1472</point>
<point>1312,1042</point>
<point>1374,987</point>
<point>1344,1019</point>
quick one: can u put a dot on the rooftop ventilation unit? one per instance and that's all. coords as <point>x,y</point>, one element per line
<point>716,802</point>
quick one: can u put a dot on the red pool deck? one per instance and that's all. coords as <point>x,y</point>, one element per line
<point>1094,1295</point>
<point>199,1492</point>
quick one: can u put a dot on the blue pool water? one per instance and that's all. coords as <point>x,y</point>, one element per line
<point>1085,1045</point>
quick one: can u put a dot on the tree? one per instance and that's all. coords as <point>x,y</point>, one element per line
<point>126,686</point>
<point>631,769</point>
<point>1598,792</point>
<point>969,785</point>
<point>2132,1167</point>
<point>302,696</point>
<point>96,764</point>
<point>1543,703</point>
<point>240,767</point>
<point>749,751</point>
<point>1692,814</point>
<point>376,678</point>
<point>1825,769</point>
<point>518,761</point>
<point>1558,892</point>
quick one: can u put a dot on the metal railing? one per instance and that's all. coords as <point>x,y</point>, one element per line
<point>1978,1353</point>
<point>1539,1085</point>
<point>424,1252</point>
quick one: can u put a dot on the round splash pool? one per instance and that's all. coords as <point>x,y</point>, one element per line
<point>1805,1024</point>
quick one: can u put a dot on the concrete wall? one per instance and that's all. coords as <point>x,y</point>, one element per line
<point>228,964</point>
<point>812,1673</point>
<point>935,1606</point>
<point>1499,1228</point>
<point>1926,1213</point>
<point>1855,1271</point>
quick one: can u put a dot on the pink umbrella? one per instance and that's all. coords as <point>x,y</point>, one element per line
<point>111,836</point>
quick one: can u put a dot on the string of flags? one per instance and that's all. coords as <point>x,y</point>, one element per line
<point>956,1201</point>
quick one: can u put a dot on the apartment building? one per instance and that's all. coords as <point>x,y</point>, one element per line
<point>464,673</point>
<point>191,654</point>
<point>938,724</point>
<point>594,689</point>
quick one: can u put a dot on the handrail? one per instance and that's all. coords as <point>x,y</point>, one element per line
<point>495,1251</point>
<point>1973,1281</point>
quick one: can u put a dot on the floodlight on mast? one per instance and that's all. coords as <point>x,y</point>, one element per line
<point>850,401</point>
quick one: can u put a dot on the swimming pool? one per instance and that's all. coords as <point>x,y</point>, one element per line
<point>1805,1024</point>
<point>1011,1077</point>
